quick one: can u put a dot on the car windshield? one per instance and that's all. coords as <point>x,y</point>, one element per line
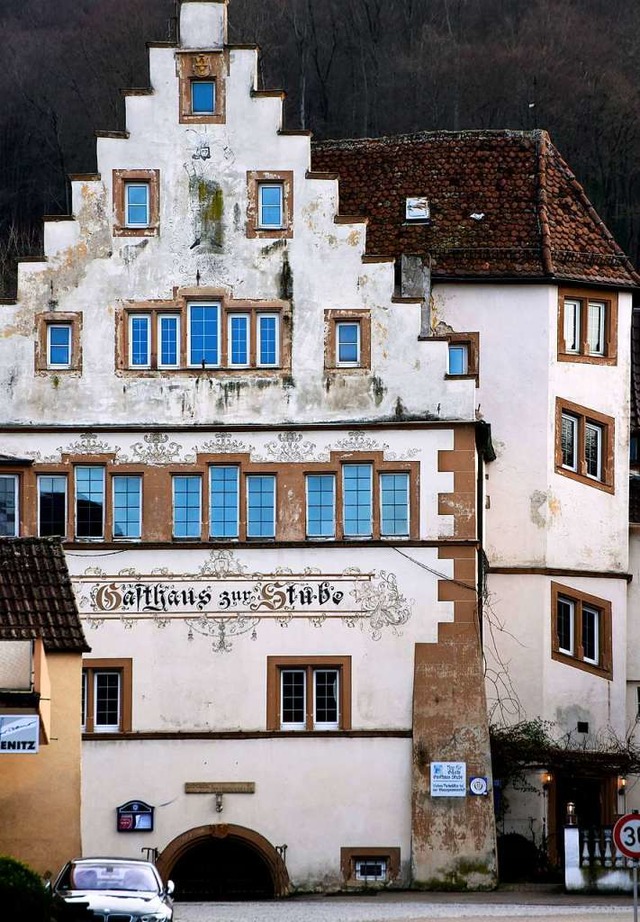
<point>113,876</point>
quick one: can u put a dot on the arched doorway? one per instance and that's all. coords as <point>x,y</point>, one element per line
<point>223,862</point>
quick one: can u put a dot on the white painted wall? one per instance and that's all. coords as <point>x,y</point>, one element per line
<point>93,273</point>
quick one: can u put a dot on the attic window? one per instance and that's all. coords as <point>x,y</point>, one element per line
<point>417,209</point>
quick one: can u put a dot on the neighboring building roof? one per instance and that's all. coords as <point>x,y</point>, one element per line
<point>36,596</point>
<point>10,460</point>
<point>503,204</point>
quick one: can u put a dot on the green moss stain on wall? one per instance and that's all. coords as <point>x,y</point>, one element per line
<point>208,208</point>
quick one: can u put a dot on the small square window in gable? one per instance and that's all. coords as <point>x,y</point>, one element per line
<point>347,340</point>
<point>136,203</point>
<point>464,356</point>
<point>58,343</point>
<point>201,87</point>
<point>269,204</point>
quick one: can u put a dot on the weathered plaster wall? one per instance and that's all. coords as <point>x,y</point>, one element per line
<point>204,203</point>
<point>352,790</point>
<point>40,793</point>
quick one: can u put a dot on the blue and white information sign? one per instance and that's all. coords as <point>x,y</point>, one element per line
<point>448,779</point>
<point>19,733</point>
<point>479,786</point>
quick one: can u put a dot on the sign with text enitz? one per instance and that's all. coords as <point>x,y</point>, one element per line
<point>19,733</point>
<point>448,779</point>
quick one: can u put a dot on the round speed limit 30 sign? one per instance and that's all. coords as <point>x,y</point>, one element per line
<point>626,835</point>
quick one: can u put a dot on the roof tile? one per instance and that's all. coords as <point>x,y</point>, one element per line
<point>36,595</point>
<point>503,204</point>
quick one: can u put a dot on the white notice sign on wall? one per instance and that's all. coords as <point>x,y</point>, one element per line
<point>448,779</point>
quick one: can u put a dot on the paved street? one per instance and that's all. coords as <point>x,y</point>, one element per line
<point>524,907</point>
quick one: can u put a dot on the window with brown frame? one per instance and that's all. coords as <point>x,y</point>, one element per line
<point>587,326</point>
<point>204,330</point>
<point>221,497</point>
<point>136,203</point>
<point>58,343</point>
<point>202,87</point>
<point>308,693</point>
<point>464,356</point>
<point>366,865</point>
<point>269,203</point>
<point>347,340</point>
<point>10,484</point>
<point>90,499</point>
<point>584,447</point>
<point>106,695</point>
<point>581,630</point>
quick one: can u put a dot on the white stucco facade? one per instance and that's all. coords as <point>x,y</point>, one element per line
<point>193,631</point>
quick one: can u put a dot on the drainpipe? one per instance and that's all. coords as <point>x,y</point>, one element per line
<point>486,453</point>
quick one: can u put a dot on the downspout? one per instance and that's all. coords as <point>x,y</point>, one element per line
<point>486,453</point>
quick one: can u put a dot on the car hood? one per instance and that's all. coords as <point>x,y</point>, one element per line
<point>115,900</point>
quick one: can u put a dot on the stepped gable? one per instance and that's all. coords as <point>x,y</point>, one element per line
<point>36,597</point>
<point>503,204</point>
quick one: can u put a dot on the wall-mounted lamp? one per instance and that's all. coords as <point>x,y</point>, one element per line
<point>218,803</point>
<point>622,785</point>
<point>547,778</point>
<point>571,818</point>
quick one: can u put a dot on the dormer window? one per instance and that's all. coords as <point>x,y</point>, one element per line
<point>417,209</point>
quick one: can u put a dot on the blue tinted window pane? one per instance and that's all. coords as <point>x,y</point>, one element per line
<point>140,341</point>
<point>271,206</point>
<point>394,501</point>
<point>168,340</point>
<point>137,205</point>
<point>89,502</point>
<point>52,508</point>
<point>203,99</point>
<point>348,342</point>
<point>457,360</point>
<point>261,495</point>
<point>203,335</point>
<point>268,346</point>
<point>224,501</point>
<point>321,505</point>
<point>239,336</point>
<point>8,517</point>
<point>60,345</point>
<point>357,499</point>
<point>127,518</point>
<point>186,507</point>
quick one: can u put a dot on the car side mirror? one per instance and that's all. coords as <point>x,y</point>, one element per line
<point>170,887</point>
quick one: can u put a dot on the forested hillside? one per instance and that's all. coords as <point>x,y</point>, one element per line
<point>351,68</point>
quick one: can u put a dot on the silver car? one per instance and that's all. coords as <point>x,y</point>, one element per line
<point>116,889</point>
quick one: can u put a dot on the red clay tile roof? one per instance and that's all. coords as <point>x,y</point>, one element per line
<point>36,596</point>
<point>536,221</point>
